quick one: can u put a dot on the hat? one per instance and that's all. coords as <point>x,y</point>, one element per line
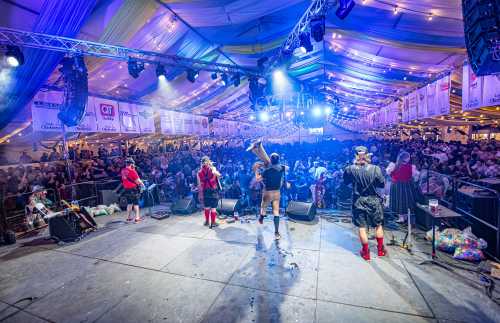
<point>38,188</point>
<point>205,159</point>
<point>361,150</point>
<point>129,161</point>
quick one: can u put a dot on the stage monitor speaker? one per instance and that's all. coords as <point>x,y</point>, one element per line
<point>302,211</point>
<point>184,206</point>
<point>65,228</point>
<point>109,197</point>
<point>482,35</point>
<point>228,206</point>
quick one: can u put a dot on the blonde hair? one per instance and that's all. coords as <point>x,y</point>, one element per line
<point>362,159</point>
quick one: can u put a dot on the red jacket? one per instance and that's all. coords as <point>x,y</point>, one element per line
<point>402,174</point>
<point>208,180</point>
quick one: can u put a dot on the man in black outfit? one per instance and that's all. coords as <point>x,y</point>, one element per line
<point>367,209</point>
<point>272,178</point>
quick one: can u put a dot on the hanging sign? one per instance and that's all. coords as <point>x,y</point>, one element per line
<point>443,86</point>
<point>88,122</point>
<point>491,90</point>
<point>44,109</point>
<point>422,103</point>
<point>129,122</point>
<point>432,99</point>
<point>107,115</point>
<point>412,105</point>
<point>146,119</point>
<point>471,89</point>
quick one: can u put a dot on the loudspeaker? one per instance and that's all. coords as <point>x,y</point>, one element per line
<point>74,74</point>
<point>482,35</point>
<point>109,197</point>
<point>301,211</point>
<point>228,206</point>
<point>65,228</point>
<point>184,206</point>
<point>9,237</point>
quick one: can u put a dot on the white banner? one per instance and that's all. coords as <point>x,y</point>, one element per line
<point>471,90</point>
<point>44,109</point>
<point>129,121</point>
<point>422,103</point>
<point>166,124</point>
<point>88,123</point>
<point>491,90</point>
<point>146,119</point>
<point>108,118</point>
<point>432,100</point>
<point>443,86</point>
<point>405,111</point>
<point>412,105</point>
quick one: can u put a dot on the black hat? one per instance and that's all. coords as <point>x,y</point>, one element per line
<point>129,161</point>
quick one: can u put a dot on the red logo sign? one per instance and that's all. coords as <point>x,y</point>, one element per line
<point>107,110</point>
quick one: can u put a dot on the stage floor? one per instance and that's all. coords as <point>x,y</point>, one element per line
<point>177,270</point>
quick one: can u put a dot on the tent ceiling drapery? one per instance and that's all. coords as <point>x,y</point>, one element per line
<point>378,56</point>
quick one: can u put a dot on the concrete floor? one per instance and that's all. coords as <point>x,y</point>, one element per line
<point>177,270</point>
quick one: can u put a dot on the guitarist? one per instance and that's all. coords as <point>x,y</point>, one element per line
<point>209,188</point>
<point>367,209</point>
<point>133,187</point>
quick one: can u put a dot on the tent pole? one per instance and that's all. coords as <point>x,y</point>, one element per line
<point>65,152</point>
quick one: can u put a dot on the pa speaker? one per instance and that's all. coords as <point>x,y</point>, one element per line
<point>65,228</point>
<point>228,206</point>
<point>184,206</point>
<point>482,35</point>
<point>301,211</point>
<point>109,197</point>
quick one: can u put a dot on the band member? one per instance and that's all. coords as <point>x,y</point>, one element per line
<point>367,209</point>
<point>209,187</point>
<point>133,186</point>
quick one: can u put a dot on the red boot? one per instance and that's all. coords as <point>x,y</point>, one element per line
<point>381,248</point>
<point>365,252</point>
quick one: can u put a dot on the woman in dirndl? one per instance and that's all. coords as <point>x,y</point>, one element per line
<point>403,194</point>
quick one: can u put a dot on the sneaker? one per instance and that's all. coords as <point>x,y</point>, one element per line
<point>206,223</point>
<point>382,251</point>
<point>365,256</point>
<point>261,219</point>
<point>277,236</point>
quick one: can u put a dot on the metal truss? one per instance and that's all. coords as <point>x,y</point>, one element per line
<point>317,8</point>
<point>73,46</point>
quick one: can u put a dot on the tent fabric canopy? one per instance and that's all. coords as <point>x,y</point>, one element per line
<point>365,60</point>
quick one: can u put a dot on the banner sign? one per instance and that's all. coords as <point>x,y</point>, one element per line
<point>422,103</point>
<point>108,117</point>
<point>146,119</point>
<point>405,112</point>
<point>443,86</point>
<point>129,122</point>
<point>412,105</point>
<point>179,123</point>
<point>432,99</point>
<point>471,90</point>
<point>88,123</point>
<point>44,109</point>
<point>491,90</point>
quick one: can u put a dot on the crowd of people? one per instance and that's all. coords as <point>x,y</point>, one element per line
<point>314,169</point>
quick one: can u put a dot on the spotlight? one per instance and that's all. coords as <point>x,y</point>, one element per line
<point>395,10</point>
<point>345,109</point>
<point>160,72</point>
<point>192,75</point>
<point>251,117</point>
<point>263,116</point>
<point>14,56</point>
<point>236,79</point>
<point>305,41</point>
<point>318,28</point>
<point>135,67</point>
<point>278,76</point>
<point>430,16</point>
<point>316,111</point>
<point>345,7</point>
<point>224,79</point>
<point>214,76</point>
<point>328,110</point>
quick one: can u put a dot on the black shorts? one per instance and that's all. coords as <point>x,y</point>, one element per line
<point>132,196</point>
<point>210,199</point>
<point>367,211</point>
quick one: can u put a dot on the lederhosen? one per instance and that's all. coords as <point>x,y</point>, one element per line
<point>210,185</point>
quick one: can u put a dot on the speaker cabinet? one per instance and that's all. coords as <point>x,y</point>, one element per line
<point>65,228</point>
<point>301,211</point>
<point>482,35</point>
<point>228,206</point>
<point>184,206</point>
<point>109,197</point>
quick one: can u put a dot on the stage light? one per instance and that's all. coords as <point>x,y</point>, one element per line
<point>429,16</point>
<point>279,76</point>
<point>305,42</point>
<point>345,7</point>
<point>160,72</point>
<point>135,67</point>
<point>224,79</point>
<point>14,56</point>
<point>192,75</point>
<point>214,76</point>
<point>251,117</point>
<point>236,79</point>
<point>328,110</point>
<point>316,111</point>
<point>263,116</point>
<point>317,25</point>
<point>395,11</point>
<point>345,109</point>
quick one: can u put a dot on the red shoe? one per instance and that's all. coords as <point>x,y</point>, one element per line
<point>382,251</point>
<point>365,255</point>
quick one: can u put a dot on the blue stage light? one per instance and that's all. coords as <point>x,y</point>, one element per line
<point>316,111</point>
<point>264,116</point>
<point>328,110</point>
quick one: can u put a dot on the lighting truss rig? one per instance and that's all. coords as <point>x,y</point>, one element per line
<point>9,36</point>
